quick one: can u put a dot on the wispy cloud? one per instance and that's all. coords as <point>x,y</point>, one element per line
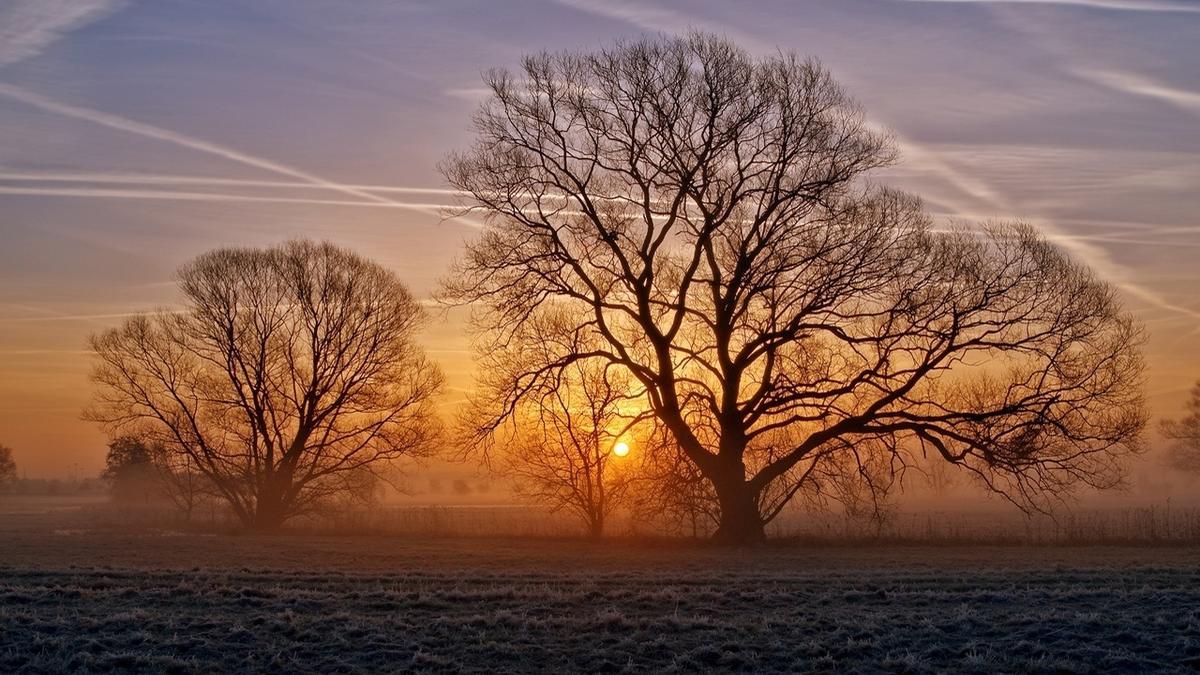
<point>647,16</point>
<point>177,195</point>
<point>122,178</point>
<point>1120,5</point>
<point>158,133</point>
<point>977,190</point>
<point>1140,85</point>
<point>27,27</point>
<point>641,14</point>
<point>68,317</point>
<point>1096,257</point>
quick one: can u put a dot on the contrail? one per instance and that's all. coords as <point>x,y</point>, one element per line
<point>208,197</point>
<point>155,179</point>
<point>1122,5</point>
<point>1138,85</point>
<point>69,317</point>
<point>158,133</point>
<point>27,27</point>
<point>138,179</point>
<point>105,193</point>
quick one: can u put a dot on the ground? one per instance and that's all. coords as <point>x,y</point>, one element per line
<point>101,601</point>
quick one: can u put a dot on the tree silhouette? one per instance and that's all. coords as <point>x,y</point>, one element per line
<point>705,218</point>
<point>558,444</point>
<point>561,449</point>
<point>130,468</point>
<point>289,372</point>
<point>8,467</point>
<point>1185,435</point>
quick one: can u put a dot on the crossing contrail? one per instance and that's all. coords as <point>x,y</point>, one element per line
<point>158,133</point>
<point>179,195</point>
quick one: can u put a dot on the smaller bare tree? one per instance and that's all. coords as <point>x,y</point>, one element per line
<point>671,493</point>
<point>1185,436</point>
<point>8,468</point>
<point>290,372</point>
<point>131,473</point>
<point>565,445</point>
<point>182,480</point>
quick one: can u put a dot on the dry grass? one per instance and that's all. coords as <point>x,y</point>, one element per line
<point>105,600</point>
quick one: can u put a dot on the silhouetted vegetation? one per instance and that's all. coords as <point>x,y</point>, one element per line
<point>130,468</point>
<point>703,220</point>
<point>561,447</point>
<point>8,468</point>
<point>290,375</point>
<point>1184,434</point>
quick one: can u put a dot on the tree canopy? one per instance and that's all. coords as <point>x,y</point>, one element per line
<point>704,220</point>
<point>287,373</point>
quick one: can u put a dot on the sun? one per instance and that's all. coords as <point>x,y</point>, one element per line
<point>620,448</point>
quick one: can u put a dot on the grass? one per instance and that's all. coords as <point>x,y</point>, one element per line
<point>1155,524</point>
<point>108,602</point>
<point>76,597</point>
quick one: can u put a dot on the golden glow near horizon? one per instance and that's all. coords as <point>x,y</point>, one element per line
<point>620,448</point>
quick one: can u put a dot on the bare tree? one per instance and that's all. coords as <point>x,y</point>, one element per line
<point>563,446</point>
<point>8,467</point>
<point>144,470</point>
<point>568,446</point>
<point>704,216</point>
<point>131,471</point>
<point>290,371</point>
<point>669,491</point>
<point>182,480</point>
<point>1185,435</point>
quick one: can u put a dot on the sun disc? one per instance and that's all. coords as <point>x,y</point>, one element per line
<point>620,449</point>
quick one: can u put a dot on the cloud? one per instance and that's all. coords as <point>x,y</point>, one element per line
<point>647,17</point>
<point>657,19</point>
<point>28,27</point>
<point>149,131</point>
<point>639,14</point>
<point>1096,257</point>
<point>1119,5</point>
<point>1140,85</point>
<point>159,179</point>
<point>207,197</point>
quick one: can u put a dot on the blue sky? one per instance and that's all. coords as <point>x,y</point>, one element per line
<point>135,135</point>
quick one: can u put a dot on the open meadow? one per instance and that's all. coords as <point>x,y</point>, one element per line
<point>102,599</point>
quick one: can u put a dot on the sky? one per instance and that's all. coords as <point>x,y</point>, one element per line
<point>137,135</point>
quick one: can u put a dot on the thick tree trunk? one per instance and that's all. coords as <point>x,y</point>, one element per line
<point>741,523</point>
<point>268,517</point>
<point>596,528</point>
<point>270,510</point>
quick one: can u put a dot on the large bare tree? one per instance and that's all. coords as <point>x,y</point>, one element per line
<point>706,219</point>
<point>289,371</point>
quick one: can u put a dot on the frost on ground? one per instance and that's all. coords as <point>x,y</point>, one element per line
<point>100,602</point>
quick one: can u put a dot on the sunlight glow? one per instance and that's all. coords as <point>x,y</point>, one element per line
<point>620,449</point>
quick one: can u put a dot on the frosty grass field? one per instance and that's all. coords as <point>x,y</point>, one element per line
<point>103,601</point>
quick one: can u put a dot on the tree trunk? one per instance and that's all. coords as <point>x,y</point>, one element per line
<point>270,510</point>
<point>596,527</point>
<point>741,523</point>
<point>268,517</point>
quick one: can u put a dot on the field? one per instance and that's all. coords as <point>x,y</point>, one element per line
<point>97,600</point>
